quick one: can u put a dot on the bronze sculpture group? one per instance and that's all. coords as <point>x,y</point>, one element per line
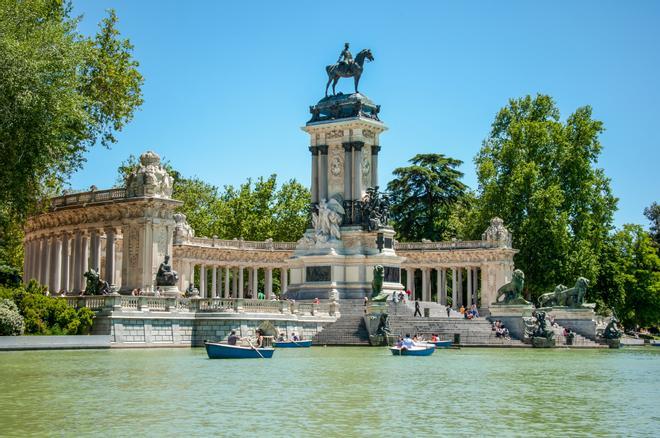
<point>347,67</point>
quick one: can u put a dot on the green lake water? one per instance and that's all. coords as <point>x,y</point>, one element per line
<point>331,392</point>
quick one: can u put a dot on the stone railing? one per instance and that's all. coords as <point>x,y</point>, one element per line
<point>241,244</point>
<point>89,197</point>
<point>456,244</point>
<point>200,305</point>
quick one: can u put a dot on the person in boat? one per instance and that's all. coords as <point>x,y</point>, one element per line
<point>260,339</point>
<point>434,338</point>
<point>280,338</point>
<point>399,342</point>
<point>407,342</point>
<point>294,338</point>
<point>232,339</point>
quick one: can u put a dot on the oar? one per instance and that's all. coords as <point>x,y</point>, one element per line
<point>255,349</point>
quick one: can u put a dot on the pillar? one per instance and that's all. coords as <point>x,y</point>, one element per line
<point>454,288</point>
<point>374,165</point>
<point>460,286</point>
<point>348,166</point>
<point>269,283</point>
<point>84,259</point>
<point>357,170</point>
<point>95,246</point>
<point>323,172</point>
<point>227,282</point>
<point>110,253</point>
<point>202,281</point>
<point>255,281</point>
<point>34,259</point>
<point>43,261</point>
<point>284,279</point>
<point>425,285</point>
<point>469,287</point>
<point>77,261</point>
<point>64,278</point>
<point>410,280</point>
<point>475,285</point>
<point>218,291</point>
<point>234,283</point>
<point>315,169</point>
<point>240,282</point>
<point>54,264</point>
<point>214,281</point>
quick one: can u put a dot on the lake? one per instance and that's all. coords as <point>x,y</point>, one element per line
<point>340,391</point>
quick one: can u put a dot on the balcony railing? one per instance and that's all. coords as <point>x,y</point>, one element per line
<point>86,197</point>
<point>456,244</point>
<point>208,242</point>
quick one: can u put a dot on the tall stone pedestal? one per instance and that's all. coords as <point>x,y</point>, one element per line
<point>581,320</point>
<point>511,316</point>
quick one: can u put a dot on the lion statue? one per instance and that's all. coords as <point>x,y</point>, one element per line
<point>512,292</point>
<point>377,284</point>
<point>563,297</point>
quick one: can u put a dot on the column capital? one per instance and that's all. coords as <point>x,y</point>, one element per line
<point>323,149</point>
<point>358,145</point>
<point>314,150</point>
<point>347,146</point>
<point>375,149</point>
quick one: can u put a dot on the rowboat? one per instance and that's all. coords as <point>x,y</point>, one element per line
<point>442,344</point>
<point>655,343</point>
<point>216,350</point>
<point>425,350</point>
<point>292,344</point>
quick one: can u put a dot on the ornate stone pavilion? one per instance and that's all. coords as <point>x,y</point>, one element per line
<point>126,232</point>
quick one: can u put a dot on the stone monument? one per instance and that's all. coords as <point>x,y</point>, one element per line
<point>167,278</point>
<point>348,232</point>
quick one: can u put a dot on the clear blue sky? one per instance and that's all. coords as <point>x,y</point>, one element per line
<point>228,84</point>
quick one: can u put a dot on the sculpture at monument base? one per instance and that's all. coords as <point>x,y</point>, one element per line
<point>94,285</point>
<point>326,221</point>
<point>562,296</point>
<point>377,293</point>
<point>375,209</point>
<point>191,291</point>
<point>539,330</point>
<point>612,333</point>
<point>512,291</point>
<point>166,276</point>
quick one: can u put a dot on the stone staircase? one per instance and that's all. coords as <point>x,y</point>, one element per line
<point>476,332</point>
<point>579,341</point>
<point>349,329</point>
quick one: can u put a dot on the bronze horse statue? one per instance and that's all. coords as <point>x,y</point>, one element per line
<point>341,70</point>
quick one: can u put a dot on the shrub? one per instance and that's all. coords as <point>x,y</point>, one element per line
<point>11,321</point>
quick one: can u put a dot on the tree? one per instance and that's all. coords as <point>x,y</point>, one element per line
<point>630,277</point>
<point>539,175</point>
<point>652,213</point>
<point>423,196</point>
<point>60,93</point>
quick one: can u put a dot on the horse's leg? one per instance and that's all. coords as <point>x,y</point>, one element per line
<point>327,85</point>
<point>334,84</point>
<point>356,78</point>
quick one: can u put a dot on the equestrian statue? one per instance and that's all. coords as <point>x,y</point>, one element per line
<point>347,67</point>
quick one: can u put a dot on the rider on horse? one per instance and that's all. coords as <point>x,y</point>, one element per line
<point>345,57</point>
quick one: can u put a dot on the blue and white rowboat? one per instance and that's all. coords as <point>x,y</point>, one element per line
<point>216,350</point>
<point>292,344</point>
<point>425,350</point>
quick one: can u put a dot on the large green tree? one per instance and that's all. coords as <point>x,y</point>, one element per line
<point>61,92</point>
<point>630,277</point>
<point>652,213</point>
<point>424,195</point>
<point>539,174</point>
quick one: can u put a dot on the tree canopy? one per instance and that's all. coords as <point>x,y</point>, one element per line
<point>423,196</point>
<point>60,93</point>
<point>539,174</point>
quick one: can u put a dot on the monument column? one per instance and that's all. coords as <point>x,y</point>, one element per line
<point>202,281</point>
<point>43,265</point>
<point>64,268</point>
<point>460,286</point>
<point>357,170</point>
<point>468,270</point>
<point>374,165</point>
<point>214,281</point>
<point>110,253</point>
<point>96,250</point>
<point>284,279</point>
<point>269,283</point>
<point>255,281</point>
<point>55,264</point>
<point>315,170</point>
<point>454,288</point>
<point>323,172</point>
<point>348,171</point>
<point>226,281</point>
<point>234,283</point>
<point>425,284</point>
<point>240,282</point>
<point>84,256</point>
<point>77,261</point>
<point>410,280</point>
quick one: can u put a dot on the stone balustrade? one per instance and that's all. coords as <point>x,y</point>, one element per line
<point>83,198</point>
<point>450,245</point>
<point>197,305</point>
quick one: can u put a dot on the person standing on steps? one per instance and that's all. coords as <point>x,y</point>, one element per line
<point>448,311</point>
<point>417,312</point>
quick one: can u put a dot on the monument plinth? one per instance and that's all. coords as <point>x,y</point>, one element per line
<point>348,233</point>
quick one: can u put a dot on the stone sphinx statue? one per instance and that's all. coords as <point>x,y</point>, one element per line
<point>512,291</point>
<point>562,296</point>
<point>166,276</point>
